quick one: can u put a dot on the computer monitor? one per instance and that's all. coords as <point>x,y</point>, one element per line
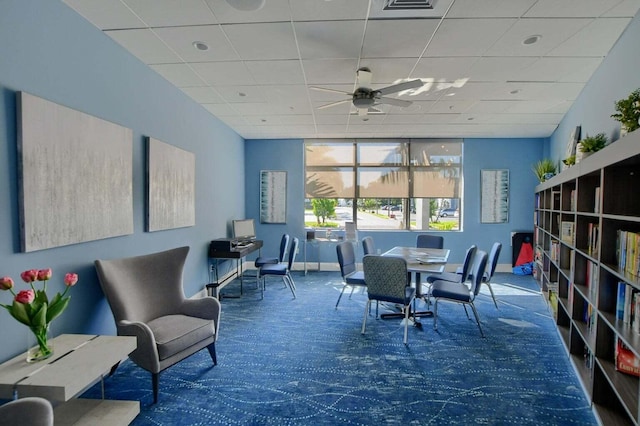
<point>244,229</point>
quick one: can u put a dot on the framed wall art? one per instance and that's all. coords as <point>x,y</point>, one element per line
<point>171,192</point>
<point>75,175</point>
<point>273,196</point>
<point>494,192</point>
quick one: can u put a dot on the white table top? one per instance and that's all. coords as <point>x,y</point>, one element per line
<point>421,260</point>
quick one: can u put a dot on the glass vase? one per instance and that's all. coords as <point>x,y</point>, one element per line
<point>40,346</point>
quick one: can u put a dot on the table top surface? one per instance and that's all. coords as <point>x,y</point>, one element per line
<point>77,361</point>
<point>421,259</point>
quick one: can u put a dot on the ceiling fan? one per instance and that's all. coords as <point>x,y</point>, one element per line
<point>365,99</point>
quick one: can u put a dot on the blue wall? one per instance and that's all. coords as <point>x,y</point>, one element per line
<point>615,79</point>
<point>48,50</point>
<point>517,155</point>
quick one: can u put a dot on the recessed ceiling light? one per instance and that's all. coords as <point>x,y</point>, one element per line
<point>242,94</point>
<point>246,5</point>
<point>514,91</point>
<point>450,94</point>
<point>531,39</point>
<point>200,45</point>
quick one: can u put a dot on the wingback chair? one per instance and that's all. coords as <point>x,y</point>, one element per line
<point>147,300</point>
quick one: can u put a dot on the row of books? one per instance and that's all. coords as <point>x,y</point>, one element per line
<point>591,280</point>
<point>593,239</point>
<point>628,251</point>
<point>554,251</point>
<point>628,306</point>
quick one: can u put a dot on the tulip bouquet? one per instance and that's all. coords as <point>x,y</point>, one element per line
<point>33,308</point>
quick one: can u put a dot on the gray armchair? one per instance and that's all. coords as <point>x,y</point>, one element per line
<point>29,411</point>
<point>147,300</point>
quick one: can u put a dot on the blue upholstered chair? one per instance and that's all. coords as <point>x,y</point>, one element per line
<point>459,292</point>
<point>455,277</point>
<point>430,241</point>
<point>368,246</point>
<point>266,260</point>
<point>388,281</point>
<point>281,269</point>
<point>351,277</point>
<point>492,263</point>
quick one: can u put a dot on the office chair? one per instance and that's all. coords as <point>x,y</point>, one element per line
<point>351,277</point>
<point>368,246</point>
<point>387,281</point>
<point>282,269</point>
<point>459,292</point>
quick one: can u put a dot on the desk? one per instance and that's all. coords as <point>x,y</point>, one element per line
<point>78,362</point>
<point>237,254</point>
<point>318,242</point>
<point>421,260</point>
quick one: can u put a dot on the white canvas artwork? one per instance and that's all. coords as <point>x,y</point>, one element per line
<point>171,180</point>
<point>75,175</point>
<point>495,196</point>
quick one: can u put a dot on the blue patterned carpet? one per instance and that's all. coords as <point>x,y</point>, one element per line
<point>301,362</point>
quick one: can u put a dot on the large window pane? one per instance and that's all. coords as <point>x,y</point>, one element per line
<point>383,182</point>
<point>436,182</point>
<point>329,154</point>
<point>382,154</point>
<point>329,183</point>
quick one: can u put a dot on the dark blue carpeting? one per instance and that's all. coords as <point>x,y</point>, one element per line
<point>301,362</point>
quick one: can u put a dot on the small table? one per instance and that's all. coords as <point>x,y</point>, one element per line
<point>419,261</point>
<point>318,241</point>
<point>78,362</point>
<point>237,254</point>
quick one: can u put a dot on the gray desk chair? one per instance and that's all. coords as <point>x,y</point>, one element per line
<point>29,411</point>
<point>351,277</point>
<point>387,281</point>
<point>368,246</point>
<point>147,300</point>
<point>459,292</point>
<point>266,260</point>
<point>282,269</point>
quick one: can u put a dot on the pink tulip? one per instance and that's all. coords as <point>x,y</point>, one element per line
<point>44,274</point>
<point>6,283</point>
<point>29,276</point>
<point>70,279</point>
<point>25,296</point>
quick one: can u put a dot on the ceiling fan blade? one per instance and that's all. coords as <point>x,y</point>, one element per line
<point>324,89</point>
<point>334,104</point>
<point>394,102</point>
<point>364,76</point>
<point>413,84</point>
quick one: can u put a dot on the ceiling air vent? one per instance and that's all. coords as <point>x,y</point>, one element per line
<point>408,4</point>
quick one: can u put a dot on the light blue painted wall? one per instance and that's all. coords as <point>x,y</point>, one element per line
<point>517,155</point>
<point>617,76</point>
<point>50,51</point>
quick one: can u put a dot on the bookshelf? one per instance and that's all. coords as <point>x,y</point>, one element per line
<point>585,224</point>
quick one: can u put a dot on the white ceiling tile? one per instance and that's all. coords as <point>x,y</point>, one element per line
<point>334,10</point>
<point>467,37</point>
<point>181,40</point>
<point>243,94</point>
<point>443,69</point>
<point>553,32</point>
<point>626,8</point>
<point>248,108</point>
<point>498,68</point>
<point>263,120</point>
<point>491,107</point>
<point>203,95</point>
<point>386,71</point>
<point>558,91</point>
<point>263,41</point>
<point>145,45</point>
<point>276,72</point>
<point>331,119</point>
<point>165,13</point>
<point>570,8</point>
<point>489,8</point>
<point>272,11</point>
<point>227,73</point>
<point>106,15</point>
<point>382,38</point>
<point>181,75</point>
<point>576,70</point>
<point>448,106</point>
<point>221,110</point>
<point>596,39</point>
<point>330,71</point>
<point>329,39</point>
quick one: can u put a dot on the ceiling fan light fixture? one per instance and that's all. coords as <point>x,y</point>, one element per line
<point>246,5</point>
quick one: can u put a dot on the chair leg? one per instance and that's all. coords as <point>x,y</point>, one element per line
<point>154,383</point>
<point>212,353</point>
<point>475,312</point>
<point>465,311</point>
<point>406,323</point>
<point>493,296</point>
<point>366,311</point>
<point>288,282</point>
<point>435,314</point>
<point>340,296</point>
<point>353,287</point>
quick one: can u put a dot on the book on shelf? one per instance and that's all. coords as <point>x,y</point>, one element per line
<point>553,303</point>
<point>596,202</point>
<point>622,288</point>
<point>635,313</point>
<point>625,360</point>
<point>572,196</point>
<point>593,242</point>
<point>567,232</point>
<point>554,251</point>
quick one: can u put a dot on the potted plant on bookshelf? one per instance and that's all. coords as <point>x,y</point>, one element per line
<point>628,112</point>
<point>570,160</point>
<point>544,169</point>
<point>592,144</point>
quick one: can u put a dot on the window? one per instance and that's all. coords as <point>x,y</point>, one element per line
<point>384,184</point>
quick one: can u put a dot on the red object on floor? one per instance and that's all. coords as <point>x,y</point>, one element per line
<point>525,255</point>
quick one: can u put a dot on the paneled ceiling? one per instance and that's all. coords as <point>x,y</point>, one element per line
<point>482,75</point>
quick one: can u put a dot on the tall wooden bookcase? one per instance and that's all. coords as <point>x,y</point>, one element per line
<point>578,216</point>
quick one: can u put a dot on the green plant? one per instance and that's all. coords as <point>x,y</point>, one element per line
<point>543,168</point>
<point>570,160</point>
<point>593,143</point>
<point>628,111</point>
